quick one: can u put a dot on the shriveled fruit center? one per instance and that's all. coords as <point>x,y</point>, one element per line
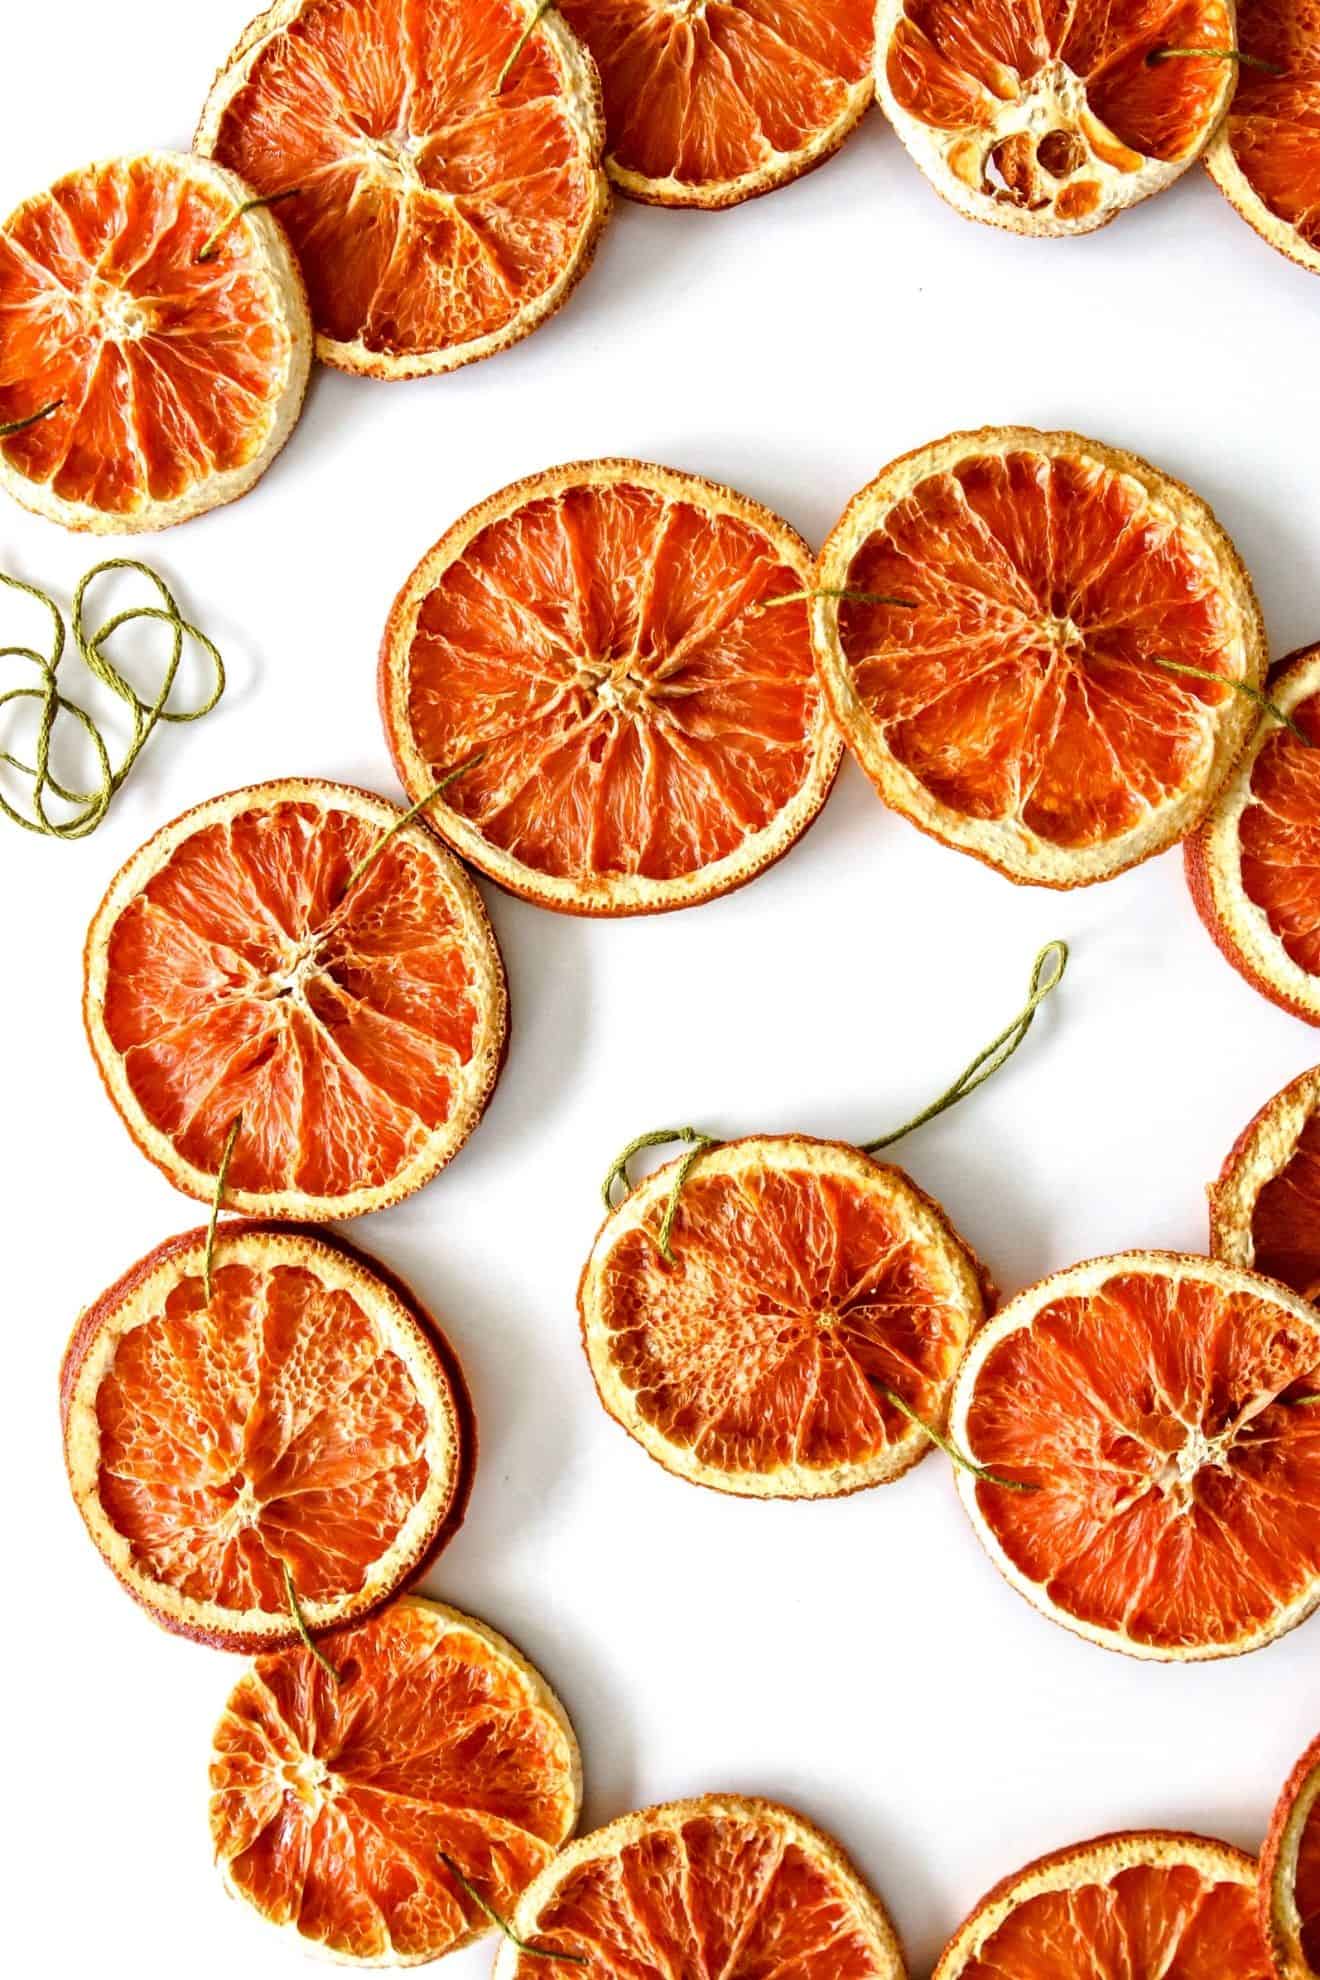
<point>1280,837</point>
<point>1148,1919</point>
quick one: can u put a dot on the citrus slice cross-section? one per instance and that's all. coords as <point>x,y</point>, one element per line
<point>1157,1406</point>
<point>723,1887</point>
<point>442,203</point>
<point>1124,1907</point>
<point>158,383</point>
<point>1290,1873</point>
<point>1265,1207</point>
<point>307,1420</point>
<point>335,1805</point>
<point>810,1285</point>
<point>1050,119</point>
<point>648,722</point>
<point>353,1027</point>
<point>1254,866</point>
<point>1020,698</point>
<point>1266,158</point>
<point>708,103</point>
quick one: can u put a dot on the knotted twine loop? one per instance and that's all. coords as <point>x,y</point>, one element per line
<point>92,805</point>
<point>529,30</point>
<point>210,248</point>
<point>1237,55</point>
<point>502,1925</point>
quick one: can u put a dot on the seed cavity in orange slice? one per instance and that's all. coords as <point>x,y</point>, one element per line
<point>443,208</point>
<point>708,104</point>
<point>1265,1207</point>
<point>650,729</point>
<point>309,1416</point>
<point>355,1032</point>
<point>173,383</point>
<point>334,1804</point>
<point>1290,1873</point>
<point>807,1281</point>
<point>1155,1401</point>
<point>1123,1907</point>
<point>710,1889</point>
<point>1266,158</point>
<point>1254,866</point>
<point>1013,702</point>
<point>1052,119</point>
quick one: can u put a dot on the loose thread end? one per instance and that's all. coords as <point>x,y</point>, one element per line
<point>502,1925</point>
<point>542,10</point>
<point>14,426</point>
<point>950,1449</point>
<point>305,1636</point>
<point>1238,55</point>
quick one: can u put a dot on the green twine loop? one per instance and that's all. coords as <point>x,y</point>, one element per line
<point>1213,55</point>
<point>21,425</point>
<point>529,30</point>
<point>502,1924</point>
<point>93,804</point>
<point>697,1142</point>
<point>369,859</point>
<point>210,247</point>
<point>1244,688</point>
<point>305,1636</point>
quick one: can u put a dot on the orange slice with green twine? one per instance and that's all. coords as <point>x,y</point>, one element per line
<point>1290,1873</point>
<point>1266,158</point>
<point>1265,1207</point>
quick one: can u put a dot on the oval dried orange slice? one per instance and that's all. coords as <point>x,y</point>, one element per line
<point>158,383</point>
<point>717,1888</point>
<point>606,635</point>
<point>1156,1409</point>
<point>1050,119</point>
<point>1290,1873</point>
<point>1007,672</point>
<point>708,104</point>
<point>1124,1907</point>
<point>353,1813</point>
<point>308,1418</point>
<point>1265,1207</point>
<point>1252,866</point>
<point>1266,158</point>
<point>236,971</point>
<point>810,1286</point>
<point>442,202</point>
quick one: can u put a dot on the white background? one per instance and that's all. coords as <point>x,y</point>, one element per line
<point>859,1659</point>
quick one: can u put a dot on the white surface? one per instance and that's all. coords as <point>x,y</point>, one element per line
<point>862,1659</point>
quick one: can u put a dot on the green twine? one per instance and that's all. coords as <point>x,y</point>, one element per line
<point>659,1138</point>
<point>210,247</point>
<point>21,425</point>
<point>305,1636</point>
<point>221,1178</point>
<point>366,863</point>
<point>502,1924</point>
<point>543,8</point>
<point>833,591</point>
<point>950,1449</point>
<point>1244,688</point>
<point>93,804</point>
<point>1213,55</point>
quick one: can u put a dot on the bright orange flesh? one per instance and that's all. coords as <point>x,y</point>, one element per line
<point>705,94</point>
<point>1280,837</point>
<point>1179,1479</point>
<point>431,208</point>
<point>1017,678</point>
<point>1274,124</point>
<point>331,1805</point>
<point>168,369</point>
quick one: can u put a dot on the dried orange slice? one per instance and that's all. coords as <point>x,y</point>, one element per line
<point>1265,1207</point>
<point>1124,1907</point>
<point>1159,1405</point>
<point>1050,119</point>
<point>334,1806</point>
<point>309,1417</point>
<point>355,1031</point>
<point>442,204</point>
<point>711,1889</point>
<point>157,384</point>
<point>1252,866</point>
<point>1290,1873</point>
<point>606,635</point>
<point>810,1285</point>
<point>1266,158</point>
<point>708,104</point>
<point>1018,696</point>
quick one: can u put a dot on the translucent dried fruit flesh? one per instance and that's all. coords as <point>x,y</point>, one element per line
<point>1279,835</point>
<point>331,1805</point>
<point>1285,1221</point>
<point>1274,124</point>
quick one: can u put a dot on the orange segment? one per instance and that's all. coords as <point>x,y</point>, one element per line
<point>332,1806</point>
<point>1267,156</point>
<point>438,216</point>
<point>1265,1207</point>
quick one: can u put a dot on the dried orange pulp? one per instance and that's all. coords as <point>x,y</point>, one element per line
<point>1266,158</point>
<point>648,722</point>
<point>354,1032</point>
<point>1265,1207</point>
<point>445,203</point>
<point>708,103</point>
<point>1290,1873</point>
<point>173,381</point>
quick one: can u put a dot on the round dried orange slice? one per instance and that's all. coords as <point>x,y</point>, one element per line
<point>708,104</point>
<point>1265,1207</point>
<point>624,649</point>
<point>439,176</point>
<point>1266,158</point>
<point>274,979</point>
<point>1290,1874</point>
<point>1158,1412</point>
<point>1050,119</point>
<point>1014,630</point>
<point>376,1810</point>
<point>1252,866</point>
<point>816,1302</point>
<point>156,344</point>
<point>1123,1907</point>
<point>303,1437</point>
<point>713,1889</point>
